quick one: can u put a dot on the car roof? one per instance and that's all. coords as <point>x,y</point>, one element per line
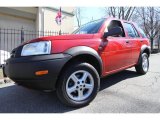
<point>113,18</point>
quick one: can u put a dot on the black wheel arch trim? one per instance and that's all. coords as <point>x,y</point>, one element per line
<point>143,48</point>
<point>81,50</point>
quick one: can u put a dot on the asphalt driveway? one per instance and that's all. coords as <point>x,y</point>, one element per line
<point>124,92</point>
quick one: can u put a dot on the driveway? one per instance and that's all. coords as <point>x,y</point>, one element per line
<point>124,92</point>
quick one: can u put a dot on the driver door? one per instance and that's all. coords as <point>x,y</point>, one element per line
<point>117,51</point>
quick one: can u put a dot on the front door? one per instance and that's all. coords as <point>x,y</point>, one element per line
<point>117,50</point>
<point>119,53</point>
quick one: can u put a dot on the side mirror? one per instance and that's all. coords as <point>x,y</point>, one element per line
<point>113,31</point>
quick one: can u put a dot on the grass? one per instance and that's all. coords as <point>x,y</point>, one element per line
<point>1,74</point>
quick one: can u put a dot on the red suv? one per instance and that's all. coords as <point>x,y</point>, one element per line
<point>73,64</point>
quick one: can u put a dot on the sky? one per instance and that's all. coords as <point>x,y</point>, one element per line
<point>90,13</point>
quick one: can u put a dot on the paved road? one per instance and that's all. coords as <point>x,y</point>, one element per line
<point>124,92</point>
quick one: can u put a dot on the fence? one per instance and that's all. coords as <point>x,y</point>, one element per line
<point>11,38</point>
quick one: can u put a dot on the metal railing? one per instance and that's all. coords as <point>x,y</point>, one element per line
<point>11,38</point>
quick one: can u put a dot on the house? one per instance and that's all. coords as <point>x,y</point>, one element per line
<point>19,24</point>
<point>36,18</point>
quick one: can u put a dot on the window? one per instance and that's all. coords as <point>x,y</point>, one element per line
<point>137,35</point>
<point>131,30</point>
<point>141,31</point>
<point>90,28</point>
<point>115,23</point>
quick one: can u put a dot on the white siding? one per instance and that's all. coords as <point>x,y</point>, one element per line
<point>8,21</point>
<point>50,23</point>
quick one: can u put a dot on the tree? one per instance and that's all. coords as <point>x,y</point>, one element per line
<point>120,12</point>
<point>150,21</point>
<point>78,16</point>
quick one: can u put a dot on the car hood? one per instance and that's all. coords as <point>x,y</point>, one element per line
<point>69,37</point>
<point>62,37</point>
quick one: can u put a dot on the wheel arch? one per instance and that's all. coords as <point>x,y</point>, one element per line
<point>84,54</point>
<point>144,49</point>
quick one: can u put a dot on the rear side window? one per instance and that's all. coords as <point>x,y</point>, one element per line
<point>141,31</point>
<point>130,30</point>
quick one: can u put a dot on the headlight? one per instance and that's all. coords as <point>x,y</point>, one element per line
<point>36,48</point>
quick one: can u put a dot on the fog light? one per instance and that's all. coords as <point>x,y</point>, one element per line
<point>43,72</point>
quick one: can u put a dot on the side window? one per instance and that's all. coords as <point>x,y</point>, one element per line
<point>137,35</point>
<point>131,30</point>
<point>141,31</point>
<point>115,23</point>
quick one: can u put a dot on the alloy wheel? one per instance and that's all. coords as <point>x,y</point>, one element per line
<point>145,63</point>
<point>79,85</point>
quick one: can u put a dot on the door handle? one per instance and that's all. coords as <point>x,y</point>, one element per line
<point>141,40</point>
<point>127,41</point>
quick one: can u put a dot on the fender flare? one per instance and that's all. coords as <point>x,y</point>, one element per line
<point>81,50</point>
<point>143,48</point>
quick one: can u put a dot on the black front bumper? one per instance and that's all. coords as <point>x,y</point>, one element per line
<point>22,70</point>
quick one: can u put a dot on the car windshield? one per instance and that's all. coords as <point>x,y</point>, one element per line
<point>90,28</point>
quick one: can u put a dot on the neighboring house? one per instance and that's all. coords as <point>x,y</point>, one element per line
<point>32,20</point>
<point>36,18</point>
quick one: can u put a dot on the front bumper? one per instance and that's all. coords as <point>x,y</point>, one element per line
<point>22,70</point>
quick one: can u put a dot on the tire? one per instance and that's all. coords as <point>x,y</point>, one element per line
<point>141,68</point>
<point>72,76</point>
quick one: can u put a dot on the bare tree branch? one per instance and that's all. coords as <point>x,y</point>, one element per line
<point>78,16</point>
<point>150,21</point>
<point>120,12</point>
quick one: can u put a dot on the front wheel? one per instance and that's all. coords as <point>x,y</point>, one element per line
<point>78,85</point>
<point>143,66</point>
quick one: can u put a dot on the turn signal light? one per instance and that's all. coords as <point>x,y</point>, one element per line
<point>43,72</point>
